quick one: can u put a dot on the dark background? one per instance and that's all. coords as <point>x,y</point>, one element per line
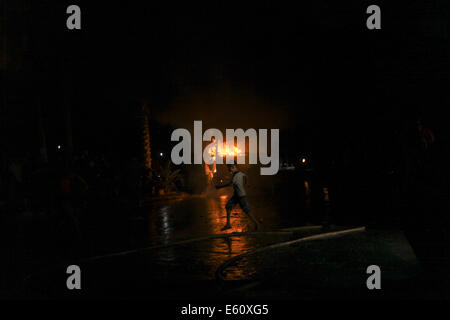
<point>347,96</point>
<point>314,70</point>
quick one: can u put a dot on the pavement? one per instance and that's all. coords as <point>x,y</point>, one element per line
<point>132,256</point>
<point>321,268</point>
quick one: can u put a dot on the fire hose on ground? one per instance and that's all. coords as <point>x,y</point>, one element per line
<point>220,271</point>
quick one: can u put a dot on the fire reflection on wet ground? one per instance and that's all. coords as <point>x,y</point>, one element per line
<point>166,222</point>
<point>206,215</point>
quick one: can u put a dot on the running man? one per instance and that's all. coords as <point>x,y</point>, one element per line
<point>239,195</point>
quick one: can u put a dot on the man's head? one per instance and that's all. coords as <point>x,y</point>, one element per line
<point>232,167</point>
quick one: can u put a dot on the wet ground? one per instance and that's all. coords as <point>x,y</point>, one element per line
<point>129,253</point>
<point>161,223</point>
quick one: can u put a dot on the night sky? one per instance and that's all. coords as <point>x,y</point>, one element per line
<point>313,70</point>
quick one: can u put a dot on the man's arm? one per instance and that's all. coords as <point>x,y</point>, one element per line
<point>246,181</point>
<point>224,185</point>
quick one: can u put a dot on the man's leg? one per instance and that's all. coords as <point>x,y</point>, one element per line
<point>246,208</point>
<point>229,206</point>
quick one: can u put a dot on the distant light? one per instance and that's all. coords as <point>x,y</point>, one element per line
<point>303,160</point>
<point>59,146</point>
<point>161,154</point>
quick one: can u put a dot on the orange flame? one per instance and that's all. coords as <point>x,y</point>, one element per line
<point>224,151</point>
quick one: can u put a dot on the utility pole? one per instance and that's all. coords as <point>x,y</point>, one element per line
<point>67,112</point>
<point>4,68</point>
<point>146,139</point>
<point>69,141</point>
<point>43,140</point>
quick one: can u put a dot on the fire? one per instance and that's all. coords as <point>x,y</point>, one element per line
<point>224,151</point>
<point>234,152</point>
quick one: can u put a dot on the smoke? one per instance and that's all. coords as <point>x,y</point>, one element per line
<point>224,108</point>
